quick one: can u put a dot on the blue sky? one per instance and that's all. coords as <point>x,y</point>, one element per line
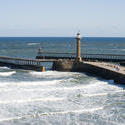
<point>62,17</point>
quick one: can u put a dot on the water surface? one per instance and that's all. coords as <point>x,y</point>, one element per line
<point>59,98</point>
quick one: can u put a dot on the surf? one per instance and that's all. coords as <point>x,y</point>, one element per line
<point>7,73</point>
<point>52,113</point>
<point>28,83</point>
<point>32,100</point>
<point>31,44</point>
<point>4,67</point>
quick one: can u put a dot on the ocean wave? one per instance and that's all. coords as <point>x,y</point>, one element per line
<point>101,94</point>
<point>35,73</point>
<point>52,113</point>
<point>7,73</point>
<point>53,74</point>
<point>45,89</point>
<point>4,67</point>
<point>92,95</point>
<point>96,88</point>
<point>32,44</point>
<point>89,86</point>
<point>31,100</point>
<point>34,83</point>
<point>119,49</point>
<point>60,88</point>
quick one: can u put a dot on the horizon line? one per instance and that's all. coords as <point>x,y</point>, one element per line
<point>68,36</point>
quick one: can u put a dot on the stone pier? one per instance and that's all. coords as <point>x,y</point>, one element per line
<point>101,69</point>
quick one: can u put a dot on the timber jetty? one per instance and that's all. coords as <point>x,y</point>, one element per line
<point>95,64</point>
<point>22,63</point>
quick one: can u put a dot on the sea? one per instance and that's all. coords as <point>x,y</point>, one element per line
<point>59,98</point>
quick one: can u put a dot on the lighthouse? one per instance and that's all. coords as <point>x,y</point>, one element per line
<point>78,49</point>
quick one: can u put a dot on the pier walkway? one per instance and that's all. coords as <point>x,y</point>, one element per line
<point>23,61</point>
<point>28,64</point>
<point>109,66</point>
<point>107,71</point>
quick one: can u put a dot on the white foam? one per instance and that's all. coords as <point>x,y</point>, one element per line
<point>105,86</point>
<point>87,88</point>
<point>7,73</point>
<point>34,73</point>
<point>52,113</point>
<point>71,111</point>
<point>119,49</point>
<point>11,118</point>
<point>31,100</point>
<point>31,44</point>
<point>102,94</point>
<point>112,122</point>
<point>4,67</point>
<point>53,74</point>
<point>35,83</point>
<point>92,95</point>
<point>61,88</point>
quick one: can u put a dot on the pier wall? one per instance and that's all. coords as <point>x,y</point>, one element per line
<point>24,66</point>
<point>91,69</point>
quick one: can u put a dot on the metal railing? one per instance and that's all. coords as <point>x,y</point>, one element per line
<point>22,61</point>
<point>86,56</point>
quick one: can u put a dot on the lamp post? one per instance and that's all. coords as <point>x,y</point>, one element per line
<point>78,50</point>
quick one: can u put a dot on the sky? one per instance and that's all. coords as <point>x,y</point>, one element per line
<point>56,18</point>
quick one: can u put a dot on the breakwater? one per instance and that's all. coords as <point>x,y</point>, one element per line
<point>92,57</point>
<point>101,69</point>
